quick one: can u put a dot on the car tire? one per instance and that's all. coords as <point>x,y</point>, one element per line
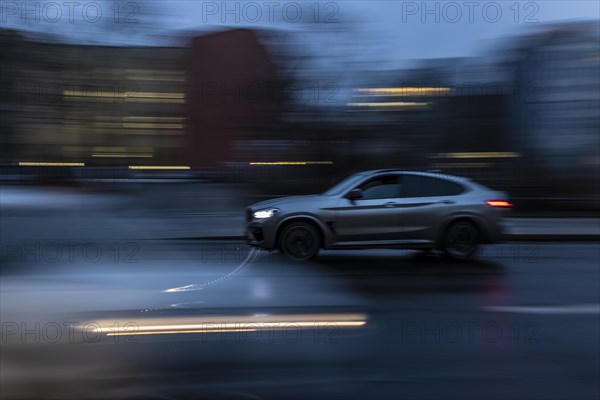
<point>299,241</point>
<point>460,240</point>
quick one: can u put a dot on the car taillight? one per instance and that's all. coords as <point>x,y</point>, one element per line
<point>499,203</point>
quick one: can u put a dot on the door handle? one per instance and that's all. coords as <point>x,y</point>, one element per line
<point>445,202</point>
<point>390,204</point>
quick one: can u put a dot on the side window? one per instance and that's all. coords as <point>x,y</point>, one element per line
<point>425,186</point>
<point>382,187</point>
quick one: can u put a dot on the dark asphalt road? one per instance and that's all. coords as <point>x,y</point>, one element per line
<point>520,322</point>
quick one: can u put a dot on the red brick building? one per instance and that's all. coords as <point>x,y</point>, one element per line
<point>233,93</point>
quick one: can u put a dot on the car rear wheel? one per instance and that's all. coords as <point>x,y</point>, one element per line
<point>461,240</point>
<point>299,241</point>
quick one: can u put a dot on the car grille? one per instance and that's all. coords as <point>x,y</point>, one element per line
<point>248,214</point>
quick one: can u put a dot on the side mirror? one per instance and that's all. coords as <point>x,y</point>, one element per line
<point>355,194</point>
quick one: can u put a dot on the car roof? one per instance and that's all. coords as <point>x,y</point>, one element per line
<point>420,173</point>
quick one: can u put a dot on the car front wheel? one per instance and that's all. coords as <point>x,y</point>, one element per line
<point>461,240</point>
<point>299,241</point>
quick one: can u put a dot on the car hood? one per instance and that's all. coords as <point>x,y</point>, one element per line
<point>280,201</point>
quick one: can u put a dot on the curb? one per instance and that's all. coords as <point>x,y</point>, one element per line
<point>552,238</point>
<point>208,238</point>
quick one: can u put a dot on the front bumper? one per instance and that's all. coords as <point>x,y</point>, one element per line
<point>262,233</point>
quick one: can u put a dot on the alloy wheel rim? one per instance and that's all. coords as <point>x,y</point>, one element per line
<point>462,239</point>
<point>299,242</point>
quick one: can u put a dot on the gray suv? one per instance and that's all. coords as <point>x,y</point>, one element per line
<point>382,209</point>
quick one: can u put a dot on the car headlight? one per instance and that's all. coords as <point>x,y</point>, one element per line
<point>265,213</point>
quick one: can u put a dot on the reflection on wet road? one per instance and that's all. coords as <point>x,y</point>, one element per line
<point>350,324</point>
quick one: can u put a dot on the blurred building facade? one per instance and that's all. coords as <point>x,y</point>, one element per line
<point>527,123</point>
<point>558,68</point>
<point>107,105</point>
<point>97,105</point>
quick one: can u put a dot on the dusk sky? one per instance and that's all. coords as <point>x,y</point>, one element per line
<point>384,32</point>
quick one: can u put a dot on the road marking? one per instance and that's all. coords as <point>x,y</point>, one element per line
<point>252,255</point>
<point>558,309</point>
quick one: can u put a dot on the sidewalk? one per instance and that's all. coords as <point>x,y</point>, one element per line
<point>553,229</point>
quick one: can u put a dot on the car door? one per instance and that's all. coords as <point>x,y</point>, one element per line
<point>425,202</point>
<point>373,217</point>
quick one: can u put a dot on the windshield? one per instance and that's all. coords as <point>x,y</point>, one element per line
<point>343,185</point>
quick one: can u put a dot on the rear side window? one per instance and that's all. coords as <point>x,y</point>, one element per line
<point>425,186</point>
